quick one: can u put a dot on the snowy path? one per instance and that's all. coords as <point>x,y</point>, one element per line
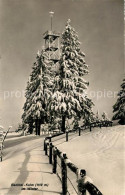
<point>24,163</point>
<point>101,154</point>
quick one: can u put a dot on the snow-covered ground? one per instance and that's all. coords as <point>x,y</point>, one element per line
<point>101,154</point>
<point>24,163</point>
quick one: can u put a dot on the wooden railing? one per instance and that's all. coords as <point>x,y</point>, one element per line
<point>3,135</point>
<point>84,183</point>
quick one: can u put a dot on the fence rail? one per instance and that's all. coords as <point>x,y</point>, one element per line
<point>84,183</point>
<point>3,135</point>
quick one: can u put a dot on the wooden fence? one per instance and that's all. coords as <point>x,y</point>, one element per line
<point>84,183</point>
<point>3,135</point>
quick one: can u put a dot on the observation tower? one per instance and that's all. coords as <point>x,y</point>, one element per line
<point>52,42</point>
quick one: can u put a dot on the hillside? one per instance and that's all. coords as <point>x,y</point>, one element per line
<point>101,154</point>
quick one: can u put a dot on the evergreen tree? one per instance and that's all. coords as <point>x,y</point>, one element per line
<point>87,113</point>
<point>38,92</point>
<point>97,117</point>
<point>104,117</point>
<point>27,119</point>
<point>76,123</point>
<point>69,98</point>
<point>119,107</point>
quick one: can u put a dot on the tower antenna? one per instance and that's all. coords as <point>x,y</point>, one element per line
<point>51,16</point>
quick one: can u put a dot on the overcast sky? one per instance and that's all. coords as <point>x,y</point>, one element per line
<point>99,24</point>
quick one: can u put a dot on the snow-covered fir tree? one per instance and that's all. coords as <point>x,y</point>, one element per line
<point>119,107</point>
<point>38,92</point>
<point>97,118</point>
<point>87,113</point>
<point>104,116</point>
<point>69,98</point>
<point>76,123</point>
<point>27,119</point>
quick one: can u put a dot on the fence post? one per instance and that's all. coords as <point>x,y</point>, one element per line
<point>90,128</point>
<point>46,147</point>
<point>80,179</point>
<point>50,152</point>
<point>54,159</point>
<point>64,174</point>
<point>79,131</point>
<point>50,138</point>
<point>67,135</point>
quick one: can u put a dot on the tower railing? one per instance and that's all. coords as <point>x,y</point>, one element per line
<point>50,33</point>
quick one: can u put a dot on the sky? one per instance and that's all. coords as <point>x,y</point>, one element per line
<point>100,28</point>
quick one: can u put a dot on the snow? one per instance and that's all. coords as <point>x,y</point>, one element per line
<point>63,106</point>
<point>1,127</point>
<point>24,162</point>
<point>38,53</point>
<point>101,154</point>
<point>10,127</point>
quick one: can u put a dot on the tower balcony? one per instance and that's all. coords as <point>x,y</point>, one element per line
<point>49,33</point>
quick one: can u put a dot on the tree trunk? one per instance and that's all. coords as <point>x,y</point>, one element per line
<point>122,121</point>
<point>38,126</point>
<point>30,130</point>
<point>63,128</point>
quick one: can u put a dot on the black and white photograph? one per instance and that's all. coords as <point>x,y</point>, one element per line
<point>62,97</point>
